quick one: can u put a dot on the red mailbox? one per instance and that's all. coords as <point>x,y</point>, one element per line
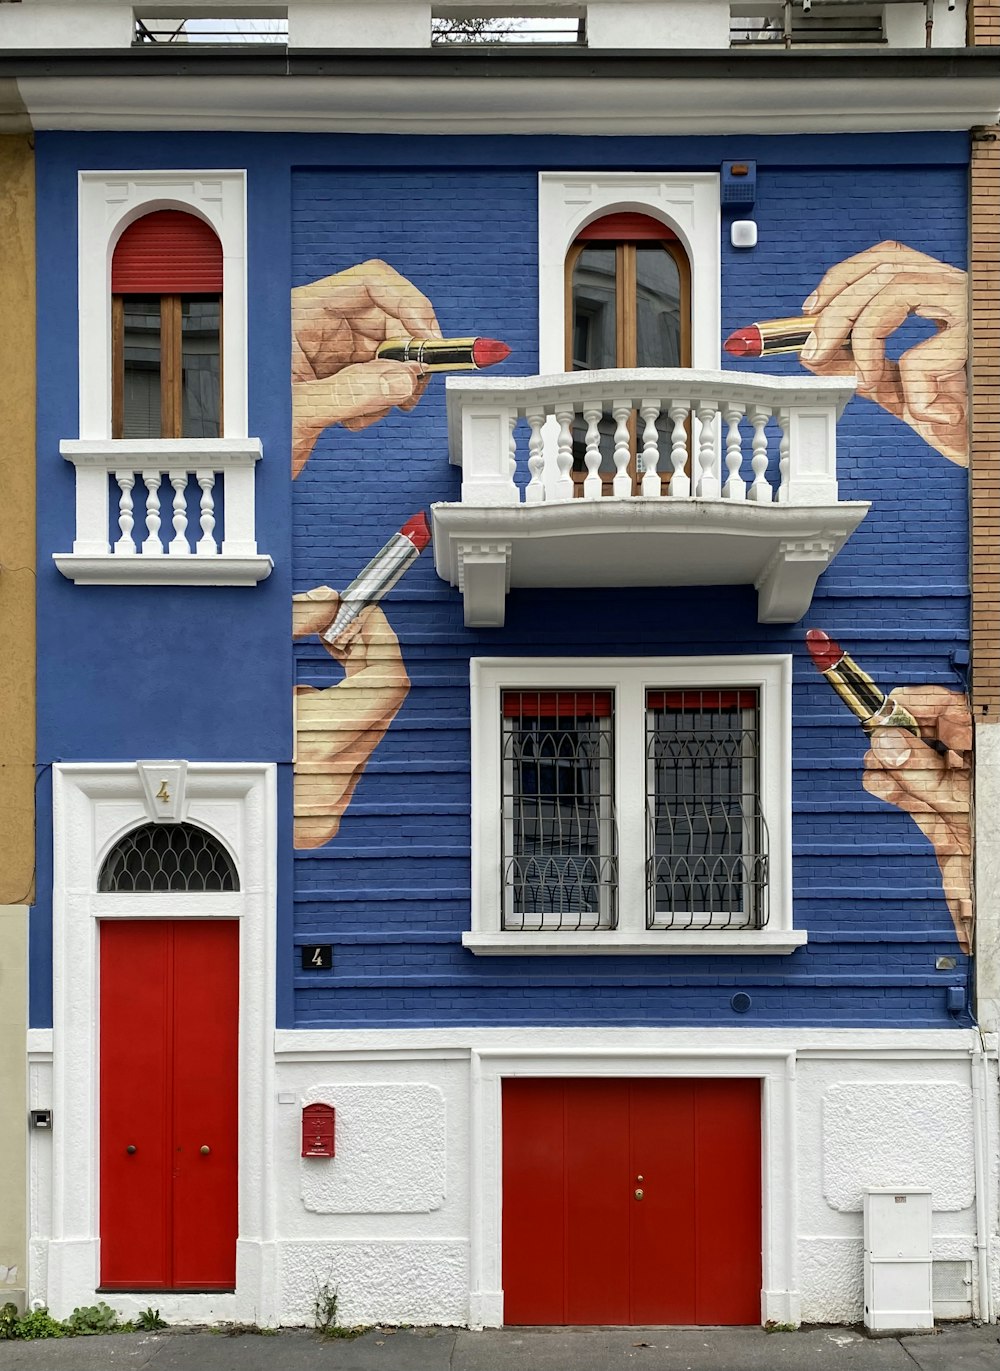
<point>317,1130</point>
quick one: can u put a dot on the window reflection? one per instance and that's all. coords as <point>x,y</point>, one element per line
<point>658,307</point>
<point>141,392</point>
<point>200,368</point>
<point>594,312</point>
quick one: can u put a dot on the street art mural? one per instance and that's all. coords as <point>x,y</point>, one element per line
<point>920,758</point>
<point>847,321</point>
<point>365,342</point>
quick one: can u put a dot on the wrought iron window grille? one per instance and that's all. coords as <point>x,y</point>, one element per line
<point>168,857</point>
<point>707,841</point>
<point>559,863</point>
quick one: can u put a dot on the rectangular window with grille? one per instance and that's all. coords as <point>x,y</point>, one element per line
<point>631,805</point>
<point>559,868</point>
<point>707,838</point>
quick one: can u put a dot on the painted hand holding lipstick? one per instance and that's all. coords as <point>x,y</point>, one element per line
<point>919,761</point>
<point>363,343</point>
<point>848,318</point>
<point>338,728</point>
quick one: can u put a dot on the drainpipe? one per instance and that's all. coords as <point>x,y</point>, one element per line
<point>980,1147</point>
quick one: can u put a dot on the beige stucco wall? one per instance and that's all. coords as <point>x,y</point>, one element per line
<point>17,681</point>
<point>13,1093</point>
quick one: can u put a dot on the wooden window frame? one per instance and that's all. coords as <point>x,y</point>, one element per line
<point>626,313</point>
<point>171,362</point>
<point>625,304</point>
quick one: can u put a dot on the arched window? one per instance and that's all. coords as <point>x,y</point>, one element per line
<point>168,857</point>
<point>166,329</point>
<point>628,304</point>
<point>628,293</point>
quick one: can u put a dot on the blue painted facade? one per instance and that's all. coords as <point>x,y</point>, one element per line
<point>208,673</point>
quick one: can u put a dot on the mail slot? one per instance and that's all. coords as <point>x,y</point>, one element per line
<point>317,1130</point>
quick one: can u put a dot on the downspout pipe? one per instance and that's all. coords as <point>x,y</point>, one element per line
<point>980,1147</point>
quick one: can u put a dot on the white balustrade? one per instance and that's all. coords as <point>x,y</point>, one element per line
<point>194,474</point>
<point>647,434</point>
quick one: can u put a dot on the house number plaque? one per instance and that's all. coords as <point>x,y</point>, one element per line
<point>317,957</point>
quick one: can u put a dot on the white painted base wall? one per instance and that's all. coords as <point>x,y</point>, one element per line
<point>404,1222</point>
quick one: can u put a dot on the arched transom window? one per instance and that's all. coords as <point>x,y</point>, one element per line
<point>168,857</point>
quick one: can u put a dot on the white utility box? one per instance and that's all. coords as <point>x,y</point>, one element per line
<point>898,1260</point>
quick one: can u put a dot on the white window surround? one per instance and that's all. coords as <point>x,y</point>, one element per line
<point>108,202</point>
<point>687,202</point>
<point>94,805</point>
<point>776,1069</point>
<point>629,677</point>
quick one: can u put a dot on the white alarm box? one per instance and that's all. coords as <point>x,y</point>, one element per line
<point>898,1260</point>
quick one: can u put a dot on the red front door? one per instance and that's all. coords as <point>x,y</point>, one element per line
<point>168,1081</point>
<point>631,1201</point>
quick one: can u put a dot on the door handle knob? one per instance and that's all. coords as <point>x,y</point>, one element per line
<point>639,1194</point>
<point>204,1149</point>
<point>130,1149</point>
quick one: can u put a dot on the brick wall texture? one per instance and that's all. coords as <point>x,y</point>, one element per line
<point>984,23</point>
<point>985,442</point>
<point>391,891</point>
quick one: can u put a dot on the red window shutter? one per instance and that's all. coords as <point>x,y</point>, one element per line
<point>700,701</point>
<point>626,228</point>
<point>167,253</point>
<point>547,704</point>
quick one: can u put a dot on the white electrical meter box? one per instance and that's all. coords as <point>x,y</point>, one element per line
<point>898,1260</point>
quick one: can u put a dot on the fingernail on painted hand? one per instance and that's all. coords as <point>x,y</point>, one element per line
<point>891,748</point>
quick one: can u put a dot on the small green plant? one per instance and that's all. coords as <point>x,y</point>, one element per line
<point>325,1315</point>
<point>9,1319</point>
<point>237,1330</point>
<point>39,1323</point>
<point>88,1319</point>
<point>772,1326</point>
<point>149,1320</point>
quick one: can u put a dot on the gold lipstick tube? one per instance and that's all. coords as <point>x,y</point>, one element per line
<point>784,335</point>
<point>864,699</point>
<point>433,354</point>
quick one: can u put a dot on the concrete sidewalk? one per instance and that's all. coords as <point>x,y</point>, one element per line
<point>955,1348</point>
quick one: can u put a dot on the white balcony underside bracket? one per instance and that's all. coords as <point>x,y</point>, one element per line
<point>607,543</point>
<point>785,587</point>
<point>483,571</point>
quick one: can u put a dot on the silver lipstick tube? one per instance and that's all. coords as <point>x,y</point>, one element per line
<point>369,586</point>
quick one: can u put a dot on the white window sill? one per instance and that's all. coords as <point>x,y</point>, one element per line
<point>224,569</point>
<point>617,943</point>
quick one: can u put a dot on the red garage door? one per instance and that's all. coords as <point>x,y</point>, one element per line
<point>169,1103</point>
<point>631,1201</point>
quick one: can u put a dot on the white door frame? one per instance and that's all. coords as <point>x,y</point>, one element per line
<point>780,1297</point>
<point>94,805</point>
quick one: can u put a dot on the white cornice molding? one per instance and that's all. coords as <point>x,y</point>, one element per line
<point>455,104</point>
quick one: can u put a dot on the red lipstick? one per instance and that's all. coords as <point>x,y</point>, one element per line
<point>770,336</point>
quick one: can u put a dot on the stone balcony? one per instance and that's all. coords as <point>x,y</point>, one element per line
<point>643,478</point>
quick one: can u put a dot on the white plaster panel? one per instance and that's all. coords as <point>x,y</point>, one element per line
<point>653,24</point>
<point>831,1280</point>
<point>987,857</point>
<point>390,1146</point>
<point>885,1133</point>
<point>832,1274</point>
<point>387,1282</point>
